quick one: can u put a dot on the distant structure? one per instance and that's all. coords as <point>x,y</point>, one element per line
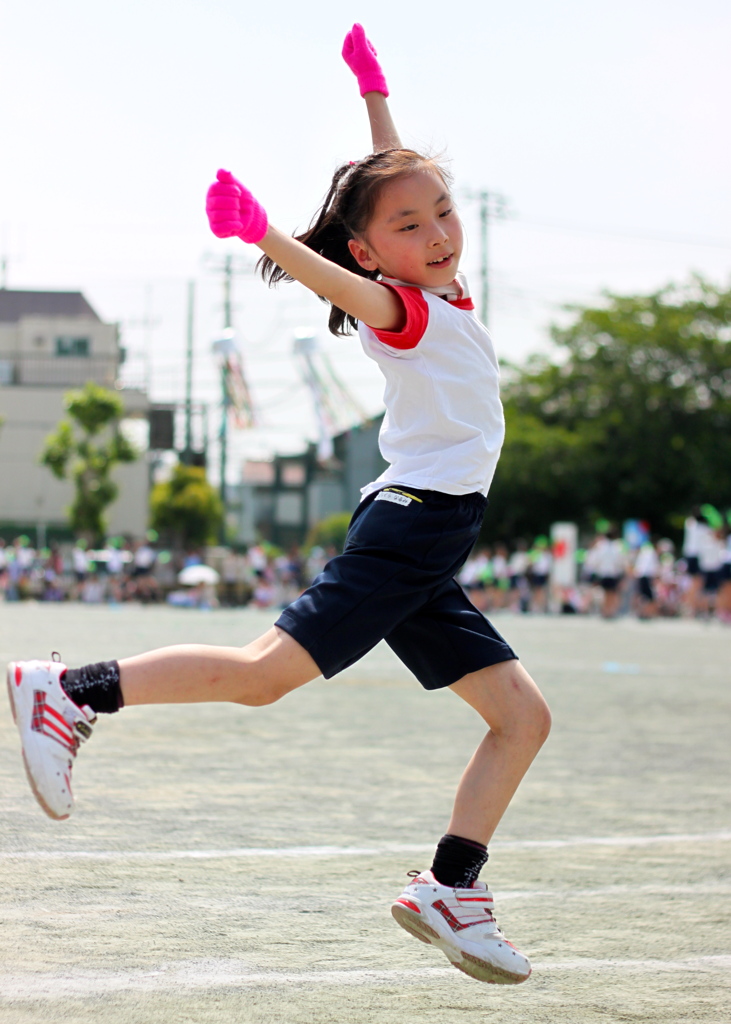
<point>283,499</point>
<point>335,407</point>
<point>51,342</point>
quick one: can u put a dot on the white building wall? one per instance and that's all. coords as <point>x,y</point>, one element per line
<point>29,493</point>
<point>28,352</point>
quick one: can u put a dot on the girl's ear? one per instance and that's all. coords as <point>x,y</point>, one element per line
<point>361,255</point>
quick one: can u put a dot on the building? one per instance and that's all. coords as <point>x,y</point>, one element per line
<point>282,500</point>
<point>51,342</point>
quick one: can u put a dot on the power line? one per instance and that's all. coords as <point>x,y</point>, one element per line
<point>639,236</point>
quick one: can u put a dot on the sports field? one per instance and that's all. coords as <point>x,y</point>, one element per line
<point>237,865</point>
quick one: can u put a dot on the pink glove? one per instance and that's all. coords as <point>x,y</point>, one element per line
<point>233,211</point>
<point>361,57</point>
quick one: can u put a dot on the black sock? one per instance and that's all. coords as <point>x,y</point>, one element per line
<point>96,685</point>
<point>458,862</point>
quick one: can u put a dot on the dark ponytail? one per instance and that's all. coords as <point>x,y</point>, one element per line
<point>345,213</point>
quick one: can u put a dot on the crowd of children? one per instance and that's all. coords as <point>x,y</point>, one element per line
<point>613,576</point>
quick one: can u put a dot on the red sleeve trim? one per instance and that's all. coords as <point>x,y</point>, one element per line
<point>417,319</point>
<point>462,303</point>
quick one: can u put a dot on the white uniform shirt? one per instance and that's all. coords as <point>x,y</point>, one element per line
<point>711,552</point>
<point>518,563</point>
<point>692,533</point>
<point>610,561</point>
<point>444,425</point>
<point>542,563</point>
<point>647,562</point>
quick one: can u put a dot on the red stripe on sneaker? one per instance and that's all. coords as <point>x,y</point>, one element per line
<point>59,718</point>
<point>71,747</point>
<point>67,736</point>
<point>18,675</point>
<point>448,916</point>
<point>410,905</point>
<point>58,730</point>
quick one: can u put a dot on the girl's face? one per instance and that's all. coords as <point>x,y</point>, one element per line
<point>415,234</point>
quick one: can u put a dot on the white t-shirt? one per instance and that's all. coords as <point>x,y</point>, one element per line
<point>500,567</point>
<point>518,563</point>
<point>444,425</point>
<point>647,562</point>
<point>711,552</point>
<point>610,561</point>
<point>542,563</point>
<point>693,533</point>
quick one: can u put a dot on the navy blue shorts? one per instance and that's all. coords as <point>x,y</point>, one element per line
<point>693,567</point>
<point>395,582</point>
<point>712,581</point>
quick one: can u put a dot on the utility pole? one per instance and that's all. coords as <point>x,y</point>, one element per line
<point>225,396</point>
<point>228,267</point>
<point>188,451</point>
<point>493,206</point>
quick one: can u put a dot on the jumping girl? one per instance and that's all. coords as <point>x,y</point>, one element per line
<point>384,252</point>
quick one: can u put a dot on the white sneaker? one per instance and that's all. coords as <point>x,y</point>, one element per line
<point>460,923</point>
<point>51,728</point>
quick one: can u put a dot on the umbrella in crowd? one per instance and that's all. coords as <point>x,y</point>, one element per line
<point>194,575</point>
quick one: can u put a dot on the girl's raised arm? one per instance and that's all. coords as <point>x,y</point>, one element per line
<point>234,212</point>
<point>361,57</point>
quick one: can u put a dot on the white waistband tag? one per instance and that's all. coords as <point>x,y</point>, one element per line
<point>397,499</point>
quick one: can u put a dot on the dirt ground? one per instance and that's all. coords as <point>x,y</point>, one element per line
<point>230,865</point>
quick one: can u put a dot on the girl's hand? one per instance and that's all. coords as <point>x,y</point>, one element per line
<point>361,57</point>
<point>232,210</point>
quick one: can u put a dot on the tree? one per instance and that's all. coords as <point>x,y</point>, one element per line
<point>187,507</point>
<point>331,531</point>
<point>630,417</point>
<point>86,446</point>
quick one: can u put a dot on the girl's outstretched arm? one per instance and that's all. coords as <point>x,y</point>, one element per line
<point>234,212</point>
<point>383,130</point>
<point>361,57</point>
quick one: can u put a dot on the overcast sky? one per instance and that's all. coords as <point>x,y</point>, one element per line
<point>605,125</point>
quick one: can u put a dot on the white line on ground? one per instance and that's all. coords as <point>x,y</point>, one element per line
<point>211,974</point>
<point>690,890</point>
<point>355,851</point>
<point>557,844</point>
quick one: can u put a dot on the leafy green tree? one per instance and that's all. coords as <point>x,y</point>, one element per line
<point>330,531</point>
<point>629,416</point>
<point>86,446</point>
<point>187,508</point>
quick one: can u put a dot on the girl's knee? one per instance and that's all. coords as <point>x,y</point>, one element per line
<point>260,696</point>
<point>532,715</point>
<point>264,686</point>
<point>542,719</point>
<point>271,667</point>
<point>509,701</point>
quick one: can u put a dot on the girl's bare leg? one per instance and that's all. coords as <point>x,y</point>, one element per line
<point>512,705</point>
<point>259,673</point>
